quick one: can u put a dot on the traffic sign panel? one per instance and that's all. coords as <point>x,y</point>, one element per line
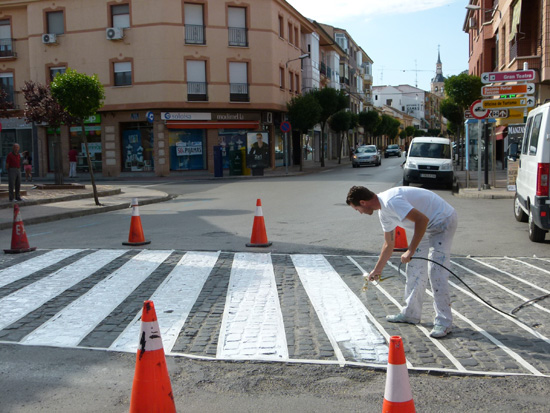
<point>508,103</point>
<point>526,88</point>
<point>285,126</point>
<point>518,76</point>
<point>477,110</point>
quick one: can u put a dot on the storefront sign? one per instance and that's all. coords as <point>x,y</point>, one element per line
<point>235,116</point>
<point>185,116</point>
<point>512,174</point>
<point>78,129</point>
<point>94,147</point>
<point>187,150</point>
<point>93,119</point>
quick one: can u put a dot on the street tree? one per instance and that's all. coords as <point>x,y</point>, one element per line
<point>369,121</point>
<point>304,112</point>
<point>81,96</point>
<point>409,131</point>
<point>42,107</point>
<point>340,123</point>
<point>451,112</point>
<point>330,101</point>
<point>6,106</point>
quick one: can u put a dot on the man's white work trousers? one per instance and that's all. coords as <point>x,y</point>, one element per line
<point>435,245</point>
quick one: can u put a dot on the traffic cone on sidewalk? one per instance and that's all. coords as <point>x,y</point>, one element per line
<point>401,243</point>
<point>397,395</point>
<point>136,236</point>
<point>19,242</point>
<point>259,236</point>
<point>151,390</point>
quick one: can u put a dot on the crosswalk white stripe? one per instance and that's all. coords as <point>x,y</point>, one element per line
<point>173,299</point>
<point>74,322</point>
<point>26,268</point>
<point>252,325</point>
<point>342,315</point>
<point>25,300</point>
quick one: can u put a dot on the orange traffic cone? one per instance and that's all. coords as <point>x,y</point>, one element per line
<point>151,390</point>
<point>397,395</point>
<point>259,236</point>
<point>19,242</point>
<point>136,236</point>
<point>401,243</point>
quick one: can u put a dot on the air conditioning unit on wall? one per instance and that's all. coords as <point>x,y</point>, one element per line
<point>49,38</point>
<point>114,33</point>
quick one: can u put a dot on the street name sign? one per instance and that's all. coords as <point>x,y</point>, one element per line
<point>508,103</point>
<point>518,76</point>
<point>526,88</point>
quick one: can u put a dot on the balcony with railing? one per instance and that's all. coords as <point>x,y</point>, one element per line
<point>238,36</point>
<point>194,34</point>
<point>323,69</point>
<point>238,92</point>
<point>196,91</point>
<point>7,48</point>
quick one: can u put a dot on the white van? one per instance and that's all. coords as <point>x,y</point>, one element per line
<point>532,201</point>
<point>429,160</point>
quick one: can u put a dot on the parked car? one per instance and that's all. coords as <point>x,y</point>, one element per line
<point>392,150</point>
<point>532,199</point>
<point>429,160</point>
<point>366,155</point>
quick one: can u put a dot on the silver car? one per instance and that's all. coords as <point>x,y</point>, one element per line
<point>366,155</point>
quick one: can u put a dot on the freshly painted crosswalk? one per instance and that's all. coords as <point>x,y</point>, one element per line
<point>97,296</point>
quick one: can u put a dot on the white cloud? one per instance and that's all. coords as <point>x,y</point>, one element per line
<point>328,11</point>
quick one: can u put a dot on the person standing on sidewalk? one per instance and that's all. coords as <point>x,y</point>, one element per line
<point>27,166</point>
<point>73,153</point>
<point>13,165</point>
<point>433,222</point>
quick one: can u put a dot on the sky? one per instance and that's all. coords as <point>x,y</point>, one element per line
<point>401,36</point>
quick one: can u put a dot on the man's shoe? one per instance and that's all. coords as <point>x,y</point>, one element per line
<point>401,318</point>
<point>18,199</point>
<point>440,331</point>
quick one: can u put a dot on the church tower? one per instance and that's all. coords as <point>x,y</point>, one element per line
<point>438,82</point>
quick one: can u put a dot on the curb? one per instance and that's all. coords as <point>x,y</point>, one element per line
<point>85,212</point>
<point>75,197</point>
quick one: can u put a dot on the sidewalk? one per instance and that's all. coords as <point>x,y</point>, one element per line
<point>497,191</point>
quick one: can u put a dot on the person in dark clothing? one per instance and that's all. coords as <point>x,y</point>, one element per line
<point>13,165</point>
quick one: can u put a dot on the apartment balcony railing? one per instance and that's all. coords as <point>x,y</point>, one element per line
<point>238,36</point>
<point>7,48</point>
<point>238,92</point>
<point>323,69</point>
<point>344,80</point>
<point>196,91</point>
<point>194,34</point>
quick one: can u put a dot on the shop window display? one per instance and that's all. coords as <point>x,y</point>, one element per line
<point>93,135</point>
<point>137,150</point>
<point>230,140</point>
<point>187,149</point>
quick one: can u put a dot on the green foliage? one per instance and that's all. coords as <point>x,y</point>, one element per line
<point>388,126</point>
<point>340,121</point>
<point>409,130</point>
<point>369,121</point>
<point>81,95</point>
<point>304,112</point>
<point>463,89</point>
<point>331,101</point>
<point>402,135</point>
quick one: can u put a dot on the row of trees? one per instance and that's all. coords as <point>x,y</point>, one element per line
<point>69,99</point>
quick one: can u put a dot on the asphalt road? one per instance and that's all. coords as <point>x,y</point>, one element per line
<point>304,215</point>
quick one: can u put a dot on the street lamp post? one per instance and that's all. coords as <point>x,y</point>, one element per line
<point>476,7</point>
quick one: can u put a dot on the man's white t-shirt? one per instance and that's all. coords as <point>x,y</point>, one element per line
<point>397,202</point>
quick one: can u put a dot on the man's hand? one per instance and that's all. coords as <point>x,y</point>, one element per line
<point>407,256</point>
<point>374,275</point>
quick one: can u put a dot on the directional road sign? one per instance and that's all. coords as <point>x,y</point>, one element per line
<point>508,103</point>
<point>526,88</point>
<point>518,76</point>
<point>477,111</point>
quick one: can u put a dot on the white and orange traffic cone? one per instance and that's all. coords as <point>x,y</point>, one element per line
<point>136,236</point>
<point>151,389</point>
<point>397,395</point>
<point>259,236</point>
<point>19,242</point>
<point>401,244</point>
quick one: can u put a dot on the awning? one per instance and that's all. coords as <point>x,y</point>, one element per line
<point>175,124</point>
<point>499,132</point>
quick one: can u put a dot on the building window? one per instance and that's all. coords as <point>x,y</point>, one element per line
<point>120,16</point>
<point>238,82</point>
<point>6,42</point>
<point>194,24</point>
<point>297,83</point>
<point>281,28</point>
<point>6,84</point>
<point>236,21</point>
<point>281,78</point>
<point>290,82</point>
<point>55,70</point>
<point>296,37</point>
<point>196,80</point>
<point>55,21</point>
<point>123,73</point>
<point>290,33</point>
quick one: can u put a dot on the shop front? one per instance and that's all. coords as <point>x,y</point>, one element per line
<point>137,147</point>
<point>15,131</point>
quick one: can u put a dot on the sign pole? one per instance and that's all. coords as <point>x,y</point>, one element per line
<point>286,153</point>
<point>479,129</point>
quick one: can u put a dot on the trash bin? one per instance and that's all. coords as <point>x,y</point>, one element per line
<point>218,162</point>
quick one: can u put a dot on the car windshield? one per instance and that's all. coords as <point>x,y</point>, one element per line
<point>430,150</point>
<point>366,149</point>
<point>392,146</point>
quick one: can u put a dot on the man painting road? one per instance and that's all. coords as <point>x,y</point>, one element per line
<point>433,222</point>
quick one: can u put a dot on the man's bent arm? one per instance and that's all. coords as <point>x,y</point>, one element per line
<point>420,224</point>
<point>385,254</point>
